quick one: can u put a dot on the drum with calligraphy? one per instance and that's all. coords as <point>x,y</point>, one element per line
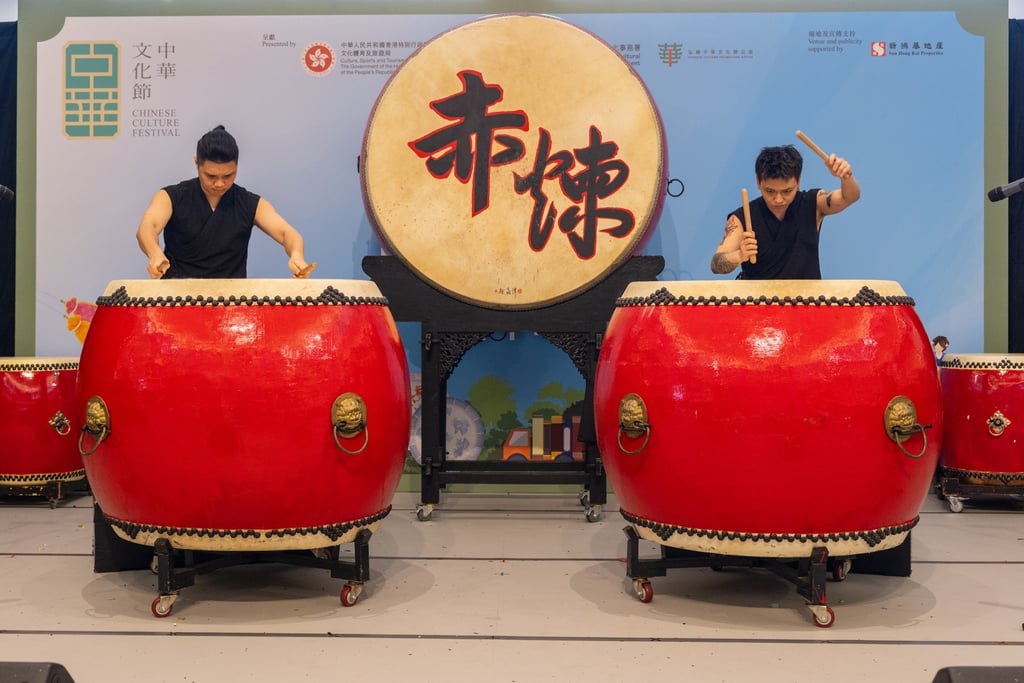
<point>514,161</point>
<point>766,418</point>
<point>243,414</point>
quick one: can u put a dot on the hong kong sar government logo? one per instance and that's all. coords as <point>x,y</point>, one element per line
<point>91,105</point>
<point>318,59</point>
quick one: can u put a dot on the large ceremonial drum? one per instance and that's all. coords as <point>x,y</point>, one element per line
<point>766,418</point>
<point>37,410</point>
<point>983,398</point>
<point>514,161</point>
<point>243,414</point>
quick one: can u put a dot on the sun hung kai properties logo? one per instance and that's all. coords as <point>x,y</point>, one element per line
<point>91,103</point>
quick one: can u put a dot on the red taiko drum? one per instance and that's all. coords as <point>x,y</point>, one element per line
<point>766,418</point>
<point>243,414</point>
<point>37,410</point>
<point>983,398</point>
<point>514,161</point>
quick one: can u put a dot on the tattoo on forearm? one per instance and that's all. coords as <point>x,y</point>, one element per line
<point>720,264</point>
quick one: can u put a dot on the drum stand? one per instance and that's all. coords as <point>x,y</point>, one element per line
<point>450,328</point>
<point>171,579</point>
<point>808,574</point>
<point>955,492</point>
<point>177,568</point>
<point>54,490</point>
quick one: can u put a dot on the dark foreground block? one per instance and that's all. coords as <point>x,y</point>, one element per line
<point>34,672</point>
<point>980,674</point>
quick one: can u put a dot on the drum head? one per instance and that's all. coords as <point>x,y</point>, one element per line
<point>514,161</point>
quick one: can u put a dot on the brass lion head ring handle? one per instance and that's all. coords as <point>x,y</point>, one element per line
<point>60,423</point>
<point>348,415</point>
<point>97,424</point>
<point>901,424</point>
<point>633,422</point>
<point>997,424</point>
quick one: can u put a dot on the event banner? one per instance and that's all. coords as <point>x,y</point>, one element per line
<point>123,100</point>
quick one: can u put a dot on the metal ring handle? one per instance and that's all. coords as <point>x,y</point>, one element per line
<point>104,432</point>
<point>366,441</point>
<point>647,438</point>
<point>997,424</point>
<point>60,423</point>
<point>900,435</point>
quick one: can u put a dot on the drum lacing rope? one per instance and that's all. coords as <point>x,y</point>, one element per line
<point>40,367</point>
<point>329,297</point>
<point>1002,364</point>
<point>872,536</point>
<point>865,297</point>
<point>332,531</point>
<point>41,478</point>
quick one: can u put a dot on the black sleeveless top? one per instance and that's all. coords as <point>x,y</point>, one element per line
<point>203,243</point>
<point>786,249</point>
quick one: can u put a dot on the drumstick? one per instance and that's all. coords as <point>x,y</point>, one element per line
<point>746,218</point>
<point>810,143</point>
<point>304,272</point>
<point>817,150</point>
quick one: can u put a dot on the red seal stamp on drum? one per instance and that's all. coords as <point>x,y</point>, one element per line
<point>318,59</point>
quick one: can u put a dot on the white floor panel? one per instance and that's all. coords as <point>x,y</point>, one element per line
<point>511,588</point>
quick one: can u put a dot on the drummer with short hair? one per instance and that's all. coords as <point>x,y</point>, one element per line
<point>787,219</point>
<point>206,222</point>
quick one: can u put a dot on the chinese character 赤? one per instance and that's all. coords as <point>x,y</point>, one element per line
<point>466,145</point>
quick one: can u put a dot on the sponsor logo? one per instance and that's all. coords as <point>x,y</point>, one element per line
<point>318,59</point>
<point>670,53</point>
<point>878,49</point>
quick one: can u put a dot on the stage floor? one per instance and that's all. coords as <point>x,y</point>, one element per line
<point>510,587</point>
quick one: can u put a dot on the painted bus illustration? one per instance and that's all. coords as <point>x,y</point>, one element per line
<point>546,439</point>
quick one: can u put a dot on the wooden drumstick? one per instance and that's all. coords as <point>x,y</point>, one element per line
<point>817,150</point>
<point>304,272</point>
<point>810,143</point>
<point>746,218</point>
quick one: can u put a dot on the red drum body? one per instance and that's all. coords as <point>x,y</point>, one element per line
<point>37,412</point>
<point>763,419</point>
<point>984,418</point>
<point>243,414</point>
<point>531,147</point>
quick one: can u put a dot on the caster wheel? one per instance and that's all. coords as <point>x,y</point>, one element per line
<point>643,590</point>
<point>823,615</point>
<point>424,512</point>
<point>585,498</point>
<point>350,594</point>
<point>163,605</point>
<point>841,569</point>
<point>955,504</point>
<point>593,513</point>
